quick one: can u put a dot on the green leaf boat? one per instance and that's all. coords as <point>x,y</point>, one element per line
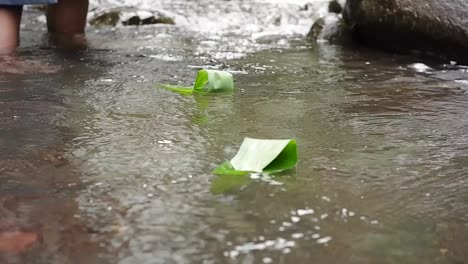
<point>207,81</point>
<point>261,155</point>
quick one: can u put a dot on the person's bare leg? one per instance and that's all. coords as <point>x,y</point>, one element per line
<point>66,22</point>
<point>10,19</point>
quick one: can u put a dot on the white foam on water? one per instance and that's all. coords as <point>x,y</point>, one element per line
<point>302,212</point>
<point>277,244</point>
<point>419,67</point>
<point>256,18</point>
<point>324,240</point>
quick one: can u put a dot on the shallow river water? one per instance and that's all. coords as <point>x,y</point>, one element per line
<point>105,168</point>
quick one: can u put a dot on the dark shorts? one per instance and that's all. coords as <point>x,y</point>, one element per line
<point>27,2</point>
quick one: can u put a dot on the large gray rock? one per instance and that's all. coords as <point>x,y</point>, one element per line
<point>435,27</point>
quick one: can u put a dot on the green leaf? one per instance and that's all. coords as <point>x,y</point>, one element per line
<point>201,81</point>
<point>211,81</point>
<point>225,183</point>
<point>261,155</point>
<point>178,89</point>
<point>207,81</point>
<point>286,160</point>
<point>227,169</point>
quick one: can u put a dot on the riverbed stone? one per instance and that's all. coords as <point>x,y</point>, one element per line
<point>129,17</point>
<point>434,27</point>
<point>331,29</point>
<point>335,7</point>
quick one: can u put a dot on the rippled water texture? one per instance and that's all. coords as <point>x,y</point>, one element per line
<point>383,151</point>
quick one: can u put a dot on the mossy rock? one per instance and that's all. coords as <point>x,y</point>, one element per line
<point>330,28</point>
<point>109,18</point>
<point>130,17</point>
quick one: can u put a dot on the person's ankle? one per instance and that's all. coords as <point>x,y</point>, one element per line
<point>68,41</point>
<point>7,50</point>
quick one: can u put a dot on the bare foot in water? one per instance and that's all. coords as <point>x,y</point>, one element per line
<point>14,65</point>
<point>67,41</point>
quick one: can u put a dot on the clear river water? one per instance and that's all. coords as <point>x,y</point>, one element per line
<point>106,168</point>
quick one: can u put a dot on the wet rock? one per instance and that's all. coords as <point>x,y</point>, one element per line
<point>316,29</point>
<point>146,18</point>
<point>55,157</point>
<point>130,17</point>
<point>110,18</point>
<point>434,27</point>
<point>330,28</point>
<point>335,7</point>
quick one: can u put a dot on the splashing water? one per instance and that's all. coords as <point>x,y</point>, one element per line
<point>230,29</point>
